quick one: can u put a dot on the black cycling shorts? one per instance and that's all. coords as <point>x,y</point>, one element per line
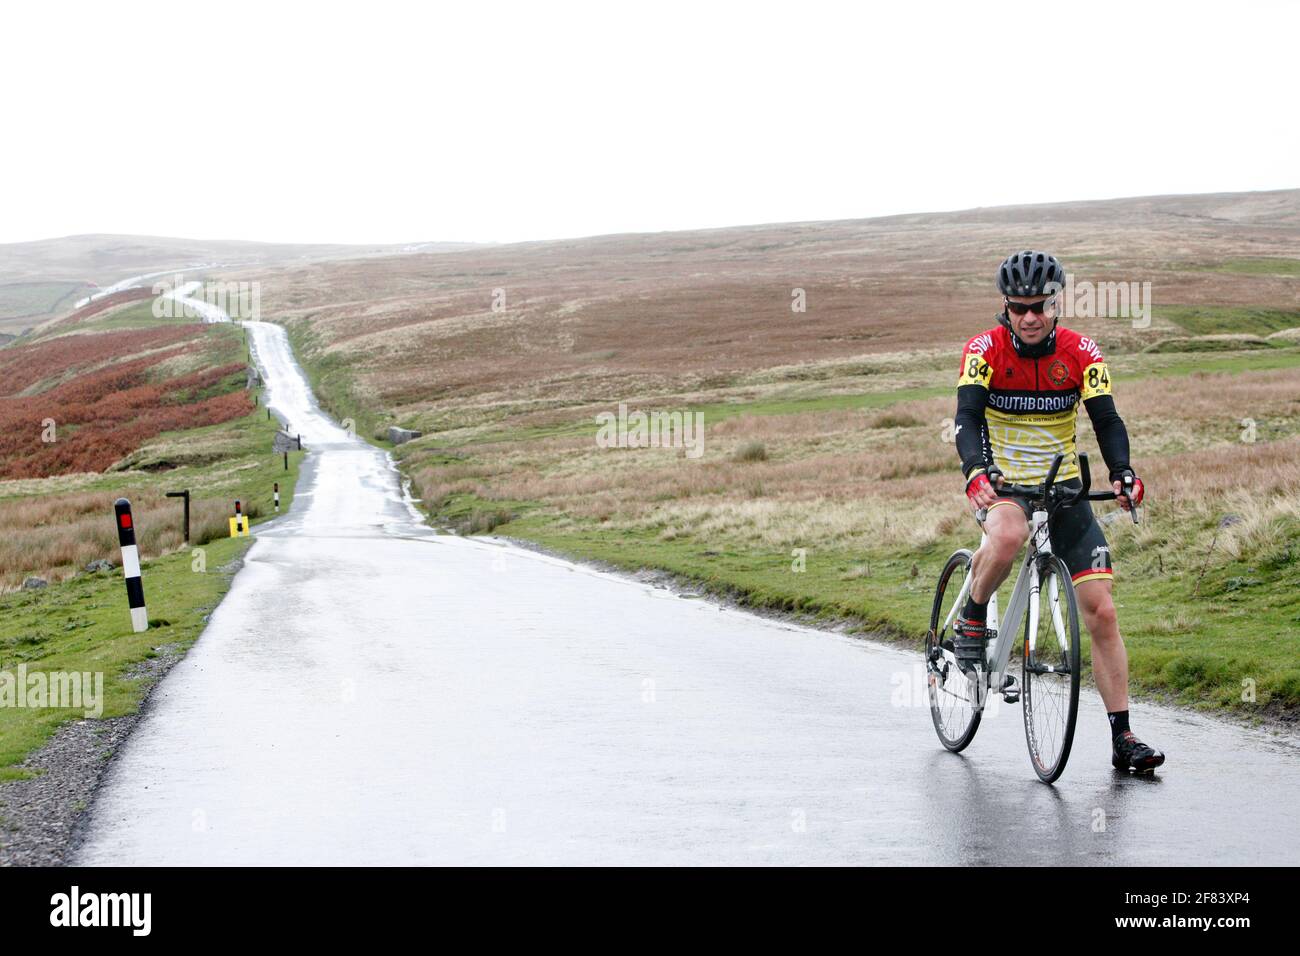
<point>1076,537</point>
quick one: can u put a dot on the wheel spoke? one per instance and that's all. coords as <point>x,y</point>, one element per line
<point>949,689</point>
<point>1050,697</point>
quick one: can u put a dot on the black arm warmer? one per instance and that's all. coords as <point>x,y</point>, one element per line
<point>972,430</point>
<point>1112,436</point>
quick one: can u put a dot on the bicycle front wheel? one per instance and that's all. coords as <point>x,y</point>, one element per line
<point>1051,670</point>
<point>954,697</point>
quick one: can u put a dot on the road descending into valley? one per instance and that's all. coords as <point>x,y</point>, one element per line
<point>373,692</point>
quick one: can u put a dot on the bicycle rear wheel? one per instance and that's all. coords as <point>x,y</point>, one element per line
<point>953,695</point>
<point>1051,671</point>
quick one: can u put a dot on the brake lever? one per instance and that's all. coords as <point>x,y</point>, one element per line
<point>1128,493</point>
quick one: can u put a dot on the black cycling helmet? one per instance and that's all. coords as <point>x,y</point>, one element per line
<point>1030,273</point>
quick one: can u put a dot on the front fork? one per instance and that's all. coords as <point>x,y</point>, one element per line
<point>1046,571</point>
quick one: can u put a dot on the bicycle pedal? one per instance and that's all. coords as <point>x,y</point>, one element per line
<point>1010,690</point>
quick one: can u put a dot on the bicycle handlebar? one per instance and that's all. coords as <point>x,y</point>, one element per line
<point>1042,492</point>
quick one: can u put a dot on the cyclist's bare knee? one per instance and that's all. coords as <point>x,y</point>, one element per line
<point>1098,609</point>
<point>1007,531</point>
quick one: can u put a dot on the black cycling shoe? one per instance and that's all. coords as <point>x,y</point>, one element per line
<point>1129,753</point>
<point>968,639</point>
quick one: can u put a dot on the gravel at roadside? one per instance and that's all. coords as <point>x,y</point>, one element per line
<point>40,816</point>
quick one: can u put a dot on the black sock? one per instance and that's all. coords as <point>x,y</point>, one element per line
<point>1118,723</point>
<point>975,612</point>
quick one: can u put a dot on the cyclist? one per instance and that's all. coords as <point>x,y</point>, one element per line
<point>1018,396</point>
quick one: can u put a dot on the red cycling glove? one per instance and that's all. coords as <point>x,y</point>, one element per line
<point>1135,498</point>
<point>977,484</point>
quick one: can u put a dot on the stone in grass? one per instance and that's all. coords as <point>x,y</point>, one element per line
<point>400,436</point>
<point>99,564</point>
<point>34,584</point>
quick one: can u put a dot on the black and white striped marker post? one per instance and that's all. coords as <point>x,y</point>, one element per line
<point>277,497</point>
<point>131,565</point>
<point>239,523</point>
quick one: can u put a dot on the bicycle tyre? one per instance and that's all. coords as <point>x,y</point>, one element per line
<point>955,729</point>
<point>1049,767</point>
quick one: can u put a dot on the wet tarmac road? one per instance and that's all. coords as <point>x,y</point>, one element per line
<point>373,693</point>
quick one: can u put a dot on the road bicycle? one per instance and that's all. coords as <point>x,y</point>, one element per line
<point>1050,665</point>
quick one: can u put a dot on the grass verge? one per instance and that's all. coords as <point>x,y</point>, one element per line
<point>83,626</point>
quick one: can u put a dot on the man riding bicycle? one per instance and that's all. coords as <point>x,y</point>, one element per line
<point>1018,396</point>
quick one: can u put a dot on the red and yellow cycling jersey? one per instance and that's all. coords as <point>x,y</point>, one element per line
<point>1032,403</point>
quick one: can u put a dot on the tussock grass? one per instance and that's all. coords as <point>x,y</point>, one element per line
<point>483,522</point>
<point>894,419</point>
<point>54,535</point>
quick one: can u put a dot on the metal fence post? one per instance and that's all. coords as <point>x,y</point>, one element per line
<point>186,495</point>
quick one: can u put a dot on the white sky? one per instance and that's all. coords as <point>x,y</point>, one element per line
<point>379,122</point>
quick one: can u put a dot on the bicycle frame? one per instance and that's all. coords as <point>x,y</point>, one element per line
<point>1024,597</point>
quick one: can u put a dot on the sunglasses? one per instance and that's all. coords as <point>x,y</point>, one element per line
<point>1021,308</point>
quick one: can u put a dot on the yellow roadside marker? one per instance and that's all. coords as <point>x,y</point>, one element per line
<point>239,523</point>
